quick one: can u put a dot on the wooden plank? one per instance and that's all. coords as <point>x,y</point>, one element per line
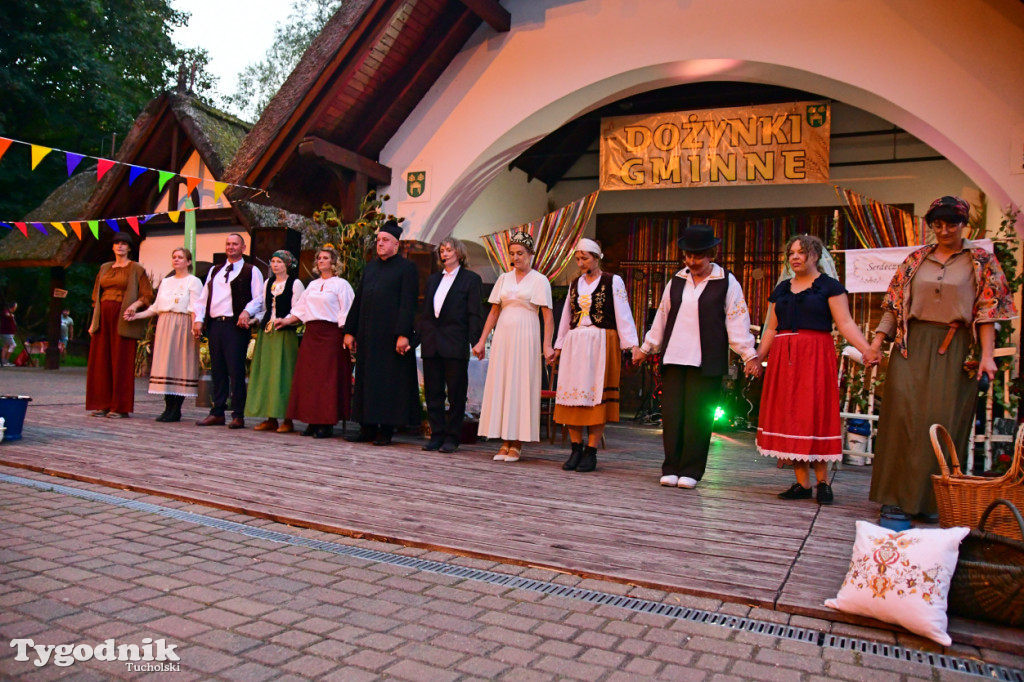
<point>320,149</point>
<point>491,11</point>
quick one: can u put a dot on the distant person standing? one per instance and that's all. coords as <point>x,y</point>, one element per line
<point>67,329</point>
<point>8,327</point>
<point>378,329</point>
<point>232,297</point>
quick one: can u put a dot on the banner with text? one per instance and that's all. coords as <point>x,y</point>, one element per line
<point>754,145</point>
<point>871,270</point>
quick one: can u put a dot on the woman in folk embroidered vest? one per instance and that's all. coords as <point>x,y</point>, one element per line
<point>596,325</point>
<point>939,311</point>
<point>277,348</point>
<point>799,419</point>
<point>174,371</point>
<point>122,287</point>
<point>701,316</point>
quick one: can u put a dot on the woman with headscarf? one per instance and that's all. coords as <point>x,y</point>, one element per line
<point>511,404</point>
<point>799,418</point>
<point>940,311</point>
<point>322,389</point>
<point>277,348</point>
<point>701,316</point>
<point>596,325</point>
<point>174,369</point>
<point>122,287</point>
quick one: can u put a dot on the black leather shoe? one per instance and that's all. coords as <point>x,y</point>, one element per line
<point>574,458</point>
<point>588,462</point>
<point>384,434</point>
<point>796,492</point>
<point>163,417</point>
<point>825,493</point>
<point>433,444</point>
<point>363,436</point>
<point>309,430</point>
<point>323,432</point>
<point>450,445</point>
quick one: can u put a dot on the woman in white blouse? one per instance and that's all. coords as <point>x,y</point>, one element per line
<point>596,325</point>
<point>701,316</point>
<point>277,348</point>
<point>511,404</point>
<point>323,360</point>
<point>174,372</point>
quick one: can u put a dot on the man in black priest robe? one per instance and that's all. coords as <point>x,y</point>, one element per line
<point>379,329</point>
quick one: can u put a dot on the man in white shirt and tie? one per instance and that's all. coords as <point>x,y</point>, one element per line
<point>231,298</point>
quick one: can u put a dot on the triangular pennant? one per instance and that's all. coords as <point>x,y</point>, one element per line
<point>135,172</point>
<point>173,215</point>
<point>22,227</point>
<point>60,228</point>
<point>77,227</point>
<point>190,185</point>
<point>4,144</point>
<point>133,222</point>
<point>73,161</point>
<point>38,154</point>
<point>39,226</point>
<point>102,166</point>
<point>164,177</point>
<point>146,218</point>
<point>113,224</point>
<point>94,227</point>
<point>218,189</point>
<point>8,226</point>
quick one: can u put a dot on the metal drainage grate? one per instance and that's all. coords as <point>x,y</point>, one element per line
<point>760,627</point>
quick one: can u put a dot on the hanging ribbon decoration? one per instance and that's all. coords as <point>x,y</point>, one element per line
<point>555,237</point>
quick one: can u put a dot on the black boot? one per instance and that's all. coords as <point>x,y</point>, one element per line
<point>167,409</point>
<point>589,460</point>
<point>174,410</point>
<point>574,458</point>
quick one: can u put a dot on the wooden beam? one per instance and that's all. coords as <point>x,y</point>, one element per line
<point>491,11</point>
<point>317,148</point>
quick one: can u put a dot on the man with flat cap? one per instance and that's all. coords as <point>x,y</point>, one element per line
<point>379,329</point>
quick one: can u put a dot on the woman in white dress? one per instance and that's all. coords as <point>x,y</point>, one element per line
<point>174,372</point>
<point>596,325</point>
<point>511,403</point>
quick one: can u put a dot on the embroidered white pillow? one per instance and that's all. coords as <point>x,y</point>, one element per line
<point>902,578</point>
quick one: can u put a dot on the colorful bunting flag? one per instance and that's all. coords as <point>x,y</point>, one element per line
<point>60,228</point>
<point>113,224</point>
<point>23,228</point>
<point>38,154</point>
<point>164,177</point>
<point>133,222</point>
<point>73,160</point>
<point>190,185</point>
<point>173,215</point>
<point>39,226</point>
<point>146,218</point>
<point>94,227</point>
<point>4,144</point>
<point>8,226</point>
<point>77,227</point>
<point>102,166</point>
<point>218,189</point>
<point>135,172</point>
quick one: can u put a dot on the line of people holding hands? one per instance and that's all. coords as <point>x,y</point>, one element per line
<point>938,310</point>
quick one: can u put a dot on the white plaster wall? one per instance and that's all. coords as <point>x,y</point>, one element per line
<point>949,72</point>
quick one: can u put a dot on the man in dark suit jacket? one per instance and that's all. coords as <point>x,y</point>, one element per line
<point>451,323</point>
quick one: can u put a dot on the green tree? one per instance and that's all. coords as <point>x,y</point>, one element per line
<point>259,82</point>
<point>72,73</point>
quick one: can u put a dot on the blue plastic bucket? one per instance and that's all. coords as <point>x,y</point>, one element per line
<point>13,409</point>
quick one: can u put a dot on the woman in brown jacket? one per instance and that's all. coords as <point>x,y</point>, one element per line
<point>122,286</point>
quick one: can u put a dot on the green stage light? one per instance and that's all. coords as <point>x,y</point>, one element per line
<point>719,413</point>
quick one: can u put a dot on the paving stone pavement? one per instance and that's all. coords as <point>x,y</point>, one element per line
<point>76,571</point>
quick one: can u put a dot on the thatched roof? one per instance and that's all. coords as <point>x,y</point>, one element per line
<point>67,202</point>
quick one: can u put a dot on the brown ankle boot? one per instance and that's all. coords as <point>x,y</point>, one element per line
<point>268,425</point>
<point>286,426</point>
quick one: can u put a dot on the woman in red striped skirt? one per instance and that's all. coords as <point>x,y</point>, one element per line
<point>799,418</point>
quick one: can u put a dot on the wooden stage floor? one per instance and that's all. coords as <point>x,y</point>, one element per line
<point>729,539</point>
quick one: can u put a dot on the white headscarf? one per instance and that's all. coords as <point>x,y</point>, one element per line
<point>590,246</point>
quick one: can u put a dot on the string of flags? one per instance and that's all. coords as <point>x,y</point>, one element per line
<point>73,160</point>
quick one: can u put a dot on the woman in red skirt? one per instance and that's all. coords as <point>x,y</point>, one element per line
<point>799,418</point>
<point>323,360</point>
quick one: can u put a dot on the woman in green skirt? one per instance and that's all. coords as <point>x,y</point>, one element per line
<point>273,362</point>
<point>940,311</point>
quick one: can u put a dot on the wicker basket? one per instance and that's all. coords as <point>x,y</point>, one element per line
<point>963,499</point>
<point>989,579</point>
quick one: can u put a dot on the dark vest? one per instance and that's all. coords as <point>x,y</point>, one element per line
<point>284,301</point>
<point>714,337</point>
<point>602,303</point>
<point>241,289</point>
